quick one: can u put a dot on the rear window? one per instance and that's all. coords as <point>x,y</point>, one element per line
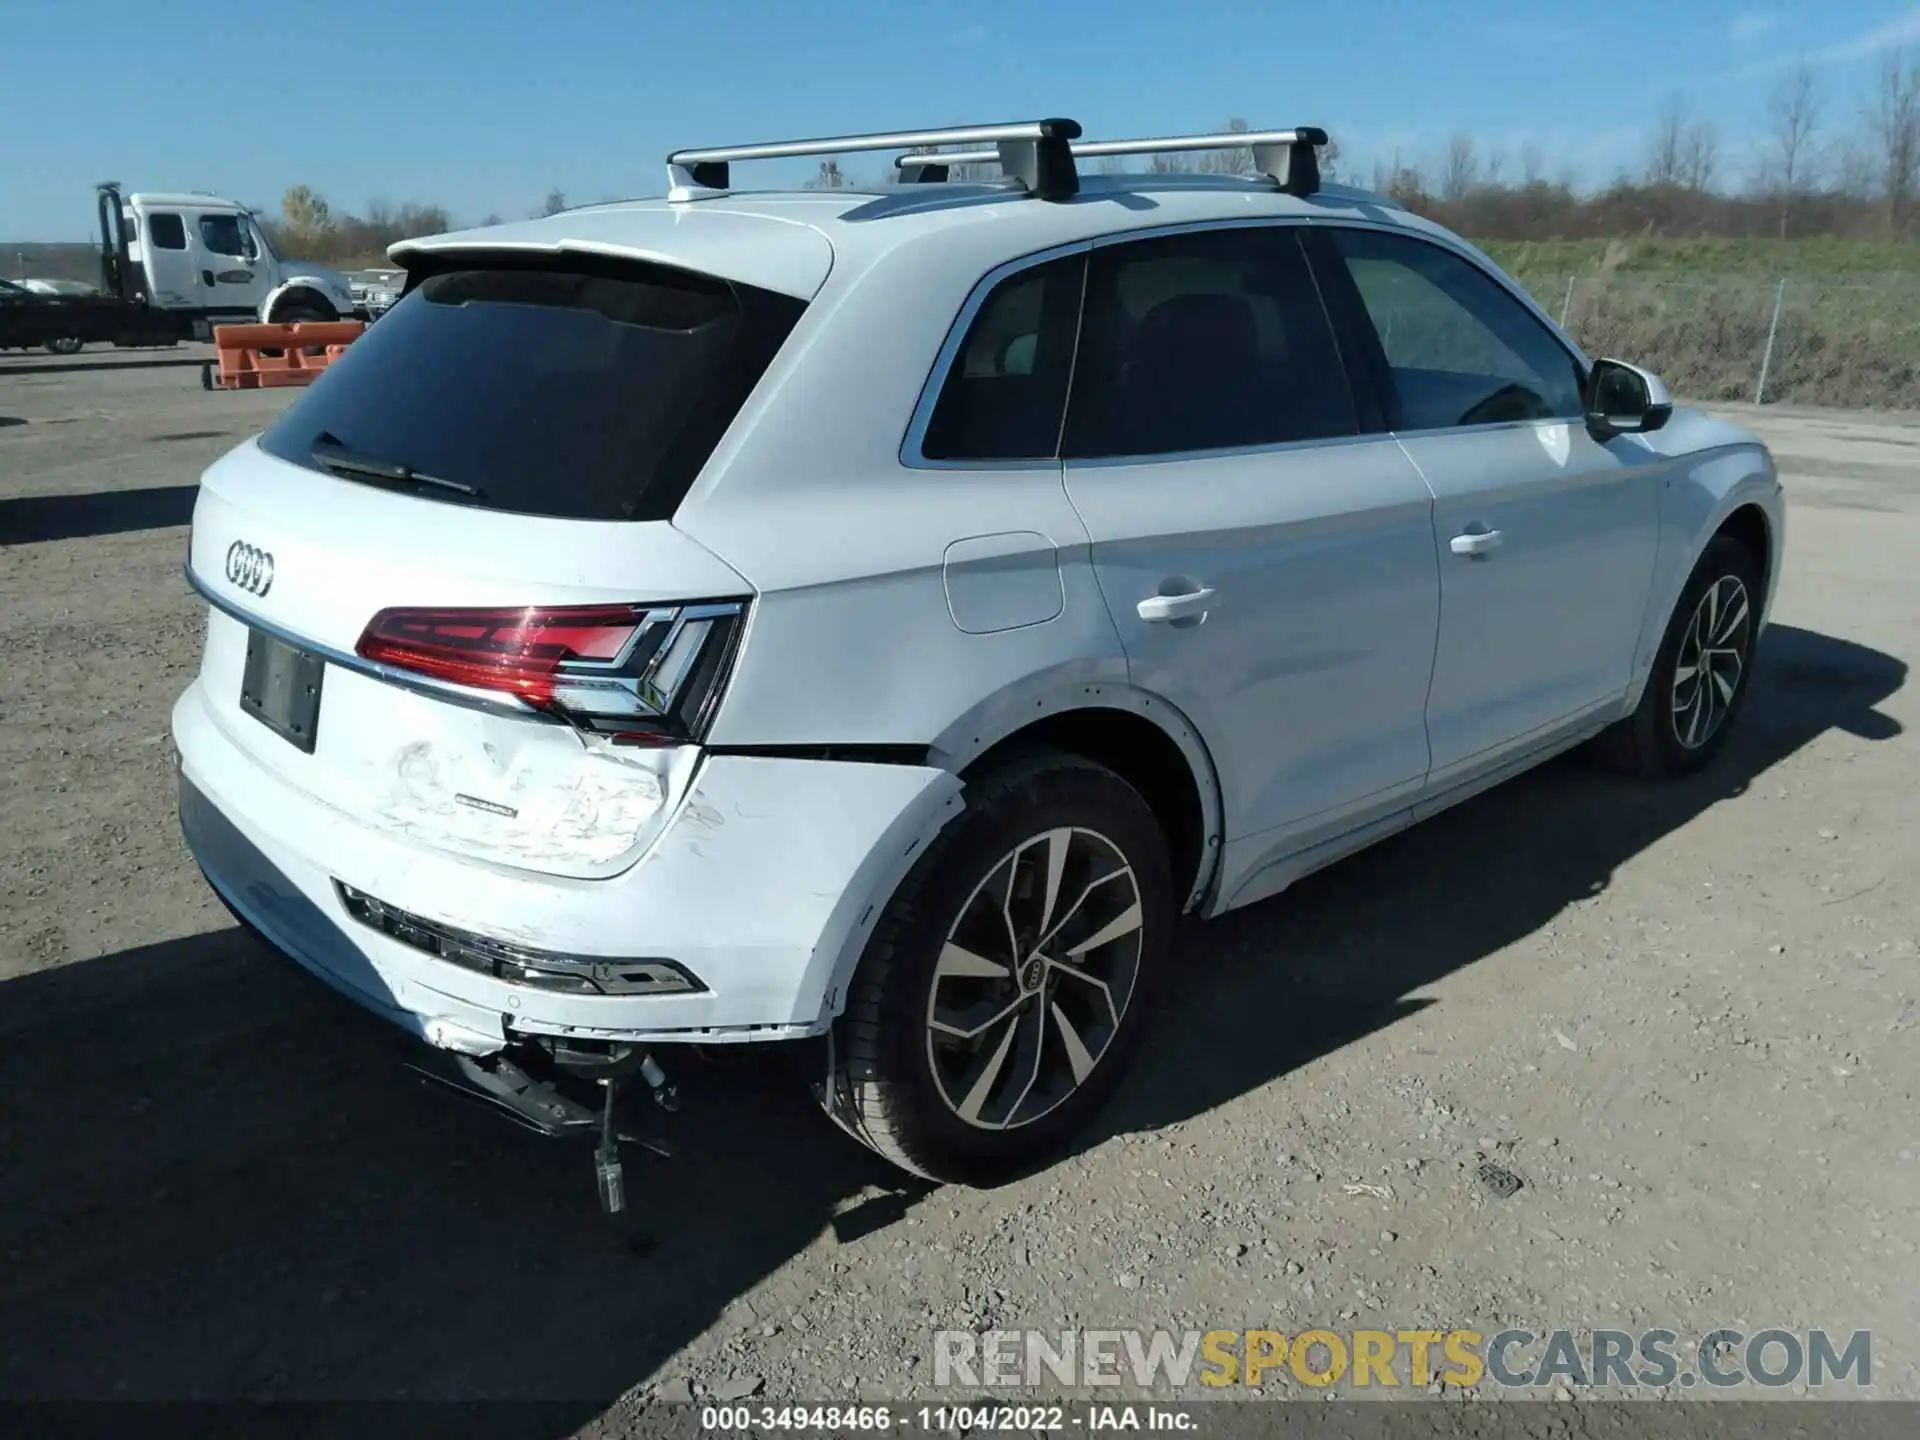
<point>167,232</point>
<point>589,393</point>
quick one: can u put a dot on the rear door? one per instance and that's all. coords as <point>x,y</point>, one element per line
<point>1265,551</point>
<point>173,279</point>
<point>1544,537</point>
<point>491,472</point>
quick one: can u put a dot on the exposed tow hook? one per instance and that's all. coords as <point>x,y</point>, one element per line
<point>608,1178</point>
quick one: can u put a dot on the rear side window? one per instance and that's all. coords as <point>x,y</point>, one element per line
<point>594,392</point>
<point>1206,341</point>
<point>166,232</point>
<point>1006,391</point>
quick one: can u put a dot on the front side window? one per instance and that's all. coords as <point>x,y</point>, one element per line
<point>222,235</point>
<point>1461,350</point>
<point>166,231</point>
<point>1005,393</point>
<point>1205,341</point>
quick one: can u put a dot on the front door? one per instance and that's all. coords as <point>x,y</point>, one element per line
<point>232,273</point>
<point>1270,567</point>
<point>1544,537</point>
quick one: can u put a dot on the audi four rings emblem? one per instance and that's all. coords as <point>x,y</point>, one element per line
<point>250,567</point>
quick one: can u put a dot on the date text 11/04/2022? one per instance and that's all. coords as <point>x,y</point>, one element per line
<point>947,1419</point>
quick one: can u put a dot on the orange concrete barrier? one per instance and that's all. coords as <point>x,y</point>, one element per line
<point>269,357</point>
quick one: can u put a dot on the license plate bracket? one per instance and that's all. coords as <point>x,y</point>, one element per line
<point>281,688</point>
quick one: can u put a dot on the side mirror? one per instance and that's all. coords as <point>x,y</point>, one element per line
<point>1623,399</point>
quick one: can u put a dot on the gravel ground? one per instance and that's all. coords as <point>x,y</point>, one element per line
<point>1684,1018</point>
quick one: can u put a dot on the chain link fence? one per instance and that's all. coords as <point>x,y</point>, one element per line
<point>1852,343</point>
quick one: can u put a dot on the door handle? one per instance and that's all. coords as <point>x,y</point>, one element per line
<point>1475,543</point>
<point>1158,609</point>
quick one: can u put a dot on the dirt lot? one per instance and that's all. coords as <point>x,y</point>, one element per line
<point>1685,1018</point>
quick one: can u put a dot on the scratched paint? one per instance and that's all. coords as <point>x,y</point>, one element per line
<point>540,806</point>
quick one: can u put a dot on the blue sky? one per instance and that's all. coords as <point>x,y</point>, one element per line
<point>484,105</point>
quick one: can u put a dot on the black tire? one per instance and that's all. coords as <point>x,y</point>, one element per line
<point>65,345</point>
<point>1654,742</point>
<point>301,312</point>
<point>895,1070</point>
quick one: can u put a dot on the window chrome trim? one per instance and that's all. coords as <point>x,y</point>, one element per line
<point>1227,452</point>
<point>506,706</point>
<point>912,452</point>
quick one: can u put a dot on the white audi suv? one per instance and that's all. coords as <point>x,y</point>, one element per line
<point>872,616</point>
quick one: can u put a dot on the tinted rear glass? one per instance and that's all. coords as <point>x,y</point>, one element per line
<point>589,393</point>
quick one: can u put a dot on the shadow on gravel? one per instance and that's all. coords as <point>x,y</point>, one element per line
<point>157,361</point>
<point>219,1183</point>
<point>1267,989</point>
<point>30,519</point>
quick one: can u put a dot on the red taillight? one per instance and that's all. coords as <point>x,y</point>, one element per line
<point>518,651</point>
<point>635,670</point>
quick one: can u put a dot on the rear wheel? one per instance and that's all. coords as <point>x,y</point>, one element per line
<point>1701,673</point>
<point>65,345</point>
<point>1006,982</point>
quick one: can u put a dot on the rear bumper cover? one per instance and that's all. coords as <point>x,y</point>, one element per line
<point>764,886</point>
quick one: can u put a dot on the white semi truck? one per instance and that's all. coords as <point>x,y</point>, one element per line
<point>191,261</point>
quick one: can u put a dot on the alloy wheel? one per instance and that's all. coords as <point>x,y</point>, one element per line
<point>1034,978</point>
<point>1712,662</point>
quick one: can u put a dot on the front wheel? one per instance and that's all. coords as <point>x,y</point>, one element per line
<point>65,345</point>
<point>1006,982</point>
<point>1702,671</point>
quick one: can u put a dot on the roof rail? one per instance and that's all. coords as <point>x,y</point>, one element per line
<point>1033,152</point>
<point>1287,157</point>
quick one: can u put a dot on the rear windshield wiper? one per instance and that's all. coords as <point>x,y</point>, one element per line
<point>330,453</point>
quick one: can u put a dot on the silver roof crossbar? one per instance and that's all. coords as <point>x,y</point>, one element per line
<point>1034,152</point>
<point>1287,157</point>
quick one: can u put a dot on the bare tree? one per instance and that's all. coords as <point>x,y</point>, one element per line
<point>1699,156</point>
<point>1793,111</point>
<point>1460,170</point>
<point>1893,120</point>
<point>829,177</point>
<point>1237,161</point>
<point>555,202</point>
<point>1666,149</point>
<point>1533,164</point>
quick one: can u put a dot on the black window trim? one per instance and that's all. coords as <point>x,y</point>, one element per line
<point>913,444</point>
<point>1370,416</point>
<point>1350,318</point>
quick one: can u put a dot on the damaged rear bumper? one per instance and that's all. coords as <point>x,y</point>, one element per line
<point>762,889</point>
